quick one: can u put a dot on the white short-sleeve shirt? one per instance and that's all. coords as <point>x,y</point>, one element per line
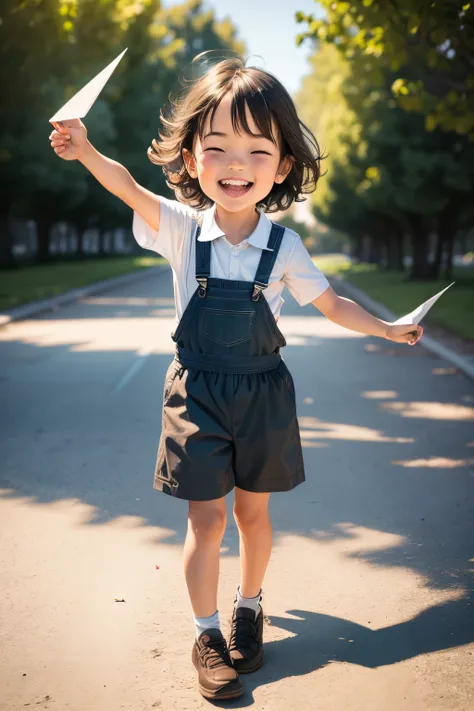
<point>175,241</point>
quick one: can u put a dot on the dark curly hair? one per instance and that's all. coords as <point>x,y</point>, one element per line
<point>266,98</point>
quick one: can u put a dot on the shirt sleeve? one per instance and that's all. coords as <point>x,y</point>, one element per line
<point>176,224</point>
<point>302,277</point>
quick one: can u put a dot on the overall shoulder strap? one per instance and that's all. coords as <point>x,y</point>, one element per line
<point>267,260</point>
<point>203,263</point>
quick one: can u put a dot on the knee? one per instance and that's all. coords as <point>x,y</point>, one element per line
<point>250,518</point>
<point>206,520</point>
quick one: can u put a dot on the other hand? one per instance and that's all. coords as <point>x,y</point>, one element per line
<point>69,139</point>
<point>410,334</point>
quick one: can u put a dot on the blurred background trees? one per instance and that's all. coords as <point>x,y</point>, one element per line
<point>48,50</point>
<point>391,99</point>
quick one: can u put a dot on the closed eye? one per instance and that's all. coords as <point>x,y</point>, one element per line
<point>214,149</point>
<point>265,153</point>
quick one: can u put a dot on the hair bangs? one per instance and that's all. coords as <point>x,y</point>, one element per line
<point>208,112</point>
<point>244,96</point>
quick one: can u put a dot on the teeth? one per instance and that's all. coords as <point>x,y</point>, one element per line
<point>234,182</point>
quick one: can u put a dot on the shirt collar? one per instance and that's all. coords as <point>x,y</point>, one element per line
<point>210,230</point>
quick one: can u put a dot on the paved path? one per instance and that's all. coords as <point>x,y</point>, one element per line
<point>367,592</point>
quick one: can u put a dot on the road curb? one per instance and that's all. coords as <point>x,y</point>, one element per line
<point>37,307</point>
<point>431,344</point>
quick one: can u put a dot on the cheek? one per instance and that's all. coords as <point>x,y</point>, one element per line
<point>265,166</point>
<point>209,162</point>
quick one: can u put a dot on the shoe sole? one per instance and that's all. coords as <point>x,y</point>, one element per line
<point>233,690</point>
<point>255,667</point>
<point>221,696</point>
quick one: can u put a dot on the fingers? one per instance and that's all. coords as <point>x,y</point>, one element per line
<point>59,141</point>
<point>59,146</point>
<point>59,126</point>
<point>64,126</point>
<point>415,338</point>
<point>55,135</point>
<point>411,337</point>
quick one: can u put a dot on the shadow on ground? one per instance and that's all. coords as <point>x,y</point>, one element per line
<point>319,640</point>
<point>388,440</point>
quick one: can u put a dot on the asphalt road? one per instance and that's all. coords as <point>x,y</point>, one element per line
<point>368,594</point>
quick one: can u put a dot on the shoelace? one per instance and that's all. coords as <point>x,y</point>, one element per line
<point>244,633</point>
<point>215,653</point>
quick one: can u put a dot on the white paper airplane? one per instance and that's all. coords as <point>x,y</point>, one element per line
<point>414,317</point>
<point>79,105</point>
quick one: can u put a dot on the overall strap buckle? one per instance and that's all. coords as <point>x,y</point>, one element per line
<point>202,281</point>
<point>267,260</point>
<point>257,290</point>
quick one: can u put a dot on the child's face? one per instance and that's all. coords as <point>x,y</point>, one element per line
<point>223,155</point>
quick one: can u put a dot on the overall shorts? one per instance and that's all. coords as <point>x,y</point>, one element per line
<point>229,409</point>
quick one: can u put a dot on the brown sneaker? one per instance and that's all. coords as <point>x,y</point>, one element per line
<point>246,640</point>
<point>217,677</point>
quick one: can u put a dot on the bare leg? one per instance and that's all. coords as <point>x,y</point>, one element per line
<point>255,531</point>
<point>206,525</point>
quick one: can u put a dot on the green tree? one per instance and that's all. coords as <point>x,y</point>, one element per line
<point>300,227</point>
<point>387,175</point>
<point>429,47</point>
<point>35,184</point>
<point>30,34</point>
<point>50,49</point>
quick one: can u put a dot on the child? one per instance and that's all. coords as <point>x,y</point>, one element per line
<point>233,149</point>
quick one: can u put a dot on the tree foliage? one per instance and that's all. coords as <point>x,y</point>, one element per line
<point>387,176</point>
<point>48,50</point>
<point>427,46</point>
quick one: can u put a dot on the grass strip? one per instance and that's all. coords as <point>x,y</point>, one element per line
<point>43,281</point>
<point>454,311</point>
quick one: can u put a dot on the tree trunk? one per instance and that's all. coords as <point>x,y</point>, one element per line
<point>80,229</point>
<point>101,233</point>
<point>435,267</point>
<point>462,240</point>
<point>388,252</point>
<point>43,237</point>
<point>448,264</point>
<point>374,251</point>
<point>400,252</point>
<point>394,251</point>
<point>356,248</point>
<point>7,258</point>
<point>71,240</point>
<point>419,247</point>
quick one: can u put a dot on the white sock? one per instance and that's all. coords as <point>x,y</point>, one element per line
<point>251,602</point>
<point>204,623</point>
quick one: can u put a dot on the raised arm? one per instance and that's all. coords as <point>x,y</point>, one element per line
<point>69,140</point>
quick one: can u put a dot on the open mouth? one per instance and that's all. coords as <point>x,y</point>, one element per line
<point>235,188</point>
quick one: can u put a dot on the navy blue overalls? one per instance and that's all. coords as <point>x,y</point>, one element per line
<point>229,410</point>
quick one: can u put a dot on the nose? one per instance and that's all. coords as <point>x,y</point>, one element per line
<point>236,162</point>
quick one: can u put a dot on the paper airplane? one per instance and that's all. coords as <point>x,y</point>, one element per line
<point>79,105</point>
<point>414,317</point>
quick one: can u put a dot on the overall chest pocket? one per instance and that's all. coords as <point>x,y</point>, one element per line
<point>228,328</point>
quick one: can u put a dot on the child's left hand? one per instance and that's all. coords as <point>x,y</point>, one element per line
<point>410,334</point>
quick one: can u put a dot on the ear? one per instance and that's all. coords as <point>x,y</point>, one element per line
<point>189,162</point>
<point>284,169</point>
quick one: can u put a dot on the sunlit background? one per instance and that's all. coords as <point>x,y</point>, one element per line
<point>386,90</point>
<point>369,591</point>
